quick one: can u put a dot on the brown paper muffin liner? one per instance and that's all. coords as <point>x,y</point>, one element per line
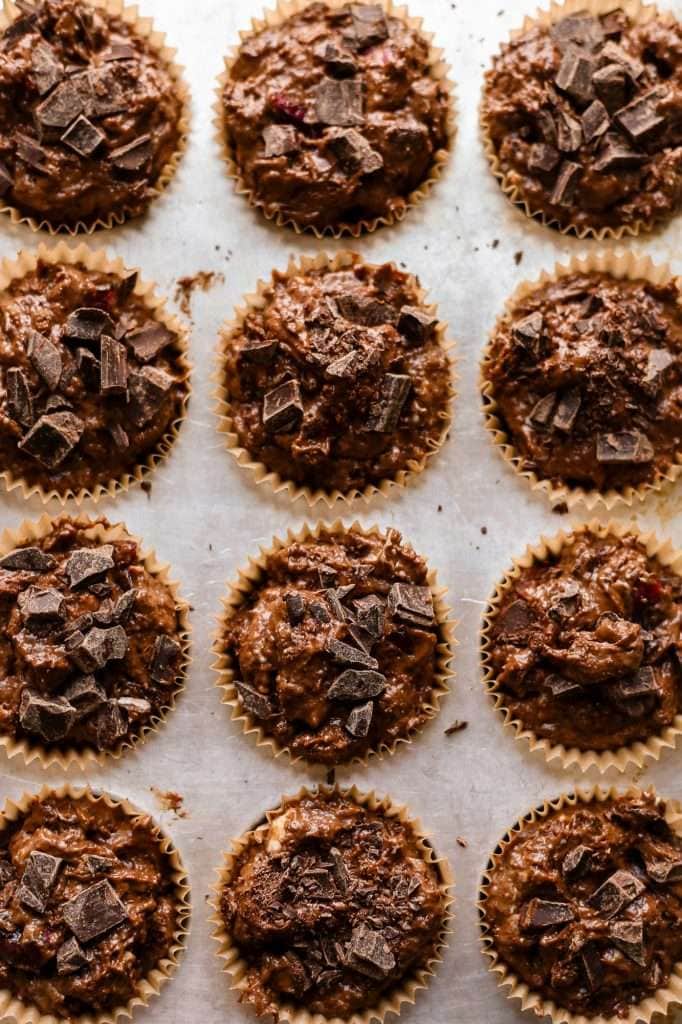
<point>664,998</point>
<point>14,1009</point>
<point>223,408</point>
<point>573,757</point>
<point>393,1002</point>
<point>96,259</point>
<point>439,70</point>
<point>620,263</point>
<point>143,27</point>
<point>248,579</point>
<point>639,12</point>
<point>85,757</point>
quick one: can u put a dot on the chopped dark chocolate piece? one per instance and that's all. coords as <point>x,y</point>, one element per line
<point>365,311</point>
<point>31,152</point>
<point>360,719</point>
<point>119,437</point>
<point>283,408</point>
<point>547,127</point>
<point>529,329</point>
<point>559,686</point>
<point>543,158</point>
<point>626,446</point>
<point>6,179</point>
<point>46,359</point>
<point>340,62</point>
<point>71,98</point>
<point>658,361</point>
<point>98,647</point>
<point>88,324</point>
<point>134,155</point>
<point>628,936</point>
<point>164,660</point>
<point>333,599</point>
<point>592,965</point>
<point>610,84</point>
<point>280,139</point>
<point>97,865</point>
<point>615,153</point>
<point>369,25</point>
<point>575,76</point>
<point>354,152</point>
<point>90,368</point>
<point>339,102</point>
<point>47,69</point>
<point>344,367</point>
<point>518,616</point>
<point>583,30</point>
<point>40,605</point>
<point>576,862</point>
<point>349,655</point>
<point>147,389</point>
<point>569,133</point>
<point>85,694</point>
<point>640,118</point>
<point>118,51</point>
<point>114,367</point>
<point>50,717</point>
<point>295,607</point>
<point>539,914</point>
<point>354,684</point>
<point>259,350</point>
<point>370,945</point>
<point>111,723</point>
<point>127,286</point>
<point>254,702</point>
<point>319,612</point>
<point>38,880</point>
<point>86,564</point>
<point>134,707</point>
<point>416,325</point>
<point>27,559</point>
<point>83,136</point>
<point>386,412</point>
<point>541,413</point>
<point>411,603</point>
<point>566,183</point>
<point>616,892</point>
<point>53,437</point>
<point>339,869</point>
<point>612,53</point>
<point>595,121</point>
<point>19,402</point>
<point>370,614</point>
<point>123,608</point>
<point>567,410</point>
<point>663,869</point>
<point>71,957</point>
<point>94,911</point>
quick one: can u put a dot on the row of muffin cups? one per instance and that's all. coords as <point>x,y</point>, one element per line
<point>617,265</point>
<point>268,838</point>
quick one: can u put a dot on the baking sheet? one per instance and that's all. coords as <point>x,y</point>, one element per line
<point>474,783</point>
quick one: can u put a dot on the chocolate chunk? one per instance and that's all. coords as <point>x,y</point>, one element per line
<point>528,331</point>
<point>88,324</point>
<point>416,325</point>
<point>166,652</point>
<point>341,63</point>
<point>576,862</point>
<point>90,368</point>
<point>111,723</point>
<point>567,411</point>
<point>53,437</point>
<point>280,139</point>
<point>134,707</point>
<point>114,367</point>
<point>254,702</point>
<point>46,68</point>
<point>109,94</point>
<point>6,179</point>
<point>339,102</point>
<point>83,136</point>
<point>134,155</point>
<point>569,133</point>
<point>626,446</point>
<point>577,30</point>
<point>127,286</point>
<point>119,51</point>
<point>346,367</point>
<point>610,85</point>
<point>259,350</point>
<point>386,412</point>
<point>97,865</point>
<point>658,361</point>
<point>349,655</point>
<point>86,564</point>
<point>559,686</point>
<point>283,408</point>
<point>595,121</point>
<point>94,911</point>
<point>628,936</point>
<point>71,98</point>
<point>295,607</point>
<point>575,76</point>
<point>71,957</point>
<point>319,612</point>
<point>566,183</point>
<point>123,608</point>
<point>50,717</point>
<point>543,158</point>
<point>46,359</point>
<point>592,965</point>
<point>360,719</point>
<point>354,684</point>
<point>517,616</point>
<point>119,437</point>
<point>642,684</point>
<point>615,893</point>
<point>85,694</point>
<point>369,25</point>
<point>19,402</point>
<point>370,615</point>
<point>339,869</point>
<point>411,603</point>
<point>641,118</point>
<point>354,152</point>
<point>328,576</point>
<point>26,560</point>
<point>38,880</point>
<point>369,945</point>
<point>333,599</point>
<point>98,647</point>
<point>541,413</point>
<point>615,153</point>
<point>40,605</point>
<point>364,310</point>
<point>31,152</point>
<point>547,127</point>
<point>662,870</point>
<point>612,53</point>
<point>539,914</point>
<point>147,389</point>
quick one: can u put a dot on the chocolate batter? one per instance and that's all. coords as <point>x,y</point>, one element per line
<point>92,383</point>
<point>336,909</point>
<point>586,646</point>
<point>89,114</point>
<point>334,117</point>
<point>585,118</point>
<point>340,380</point>
<point>335,649</point>
<point>87,906</point>
<point>585,905</point>
<point>587,375</point>
<point>89,640</point>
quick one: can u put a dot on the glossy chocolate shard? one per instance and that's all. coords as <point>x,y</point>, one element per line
<point>625,446</point>
<point>164,660</point>
<point>640,119</point>
<point>613,53</point>
<point>541,413</point>
<point>46,68</point>
<point>46,359</point>
<point>71,957</point>
<point>518,616</point>
<point>114,367</point>
<point>574,76</point>
<point>559,686</point>
<point>576,862</point>
<point>595,121</point>
<point>579,29</point>
<point>97,865</point>
<point>88,324</point>
<point>111,724</point>
<point>658,361</point>
<point>19,401</point>
<point>49,717</point>
<point>295,606</point>
<point>147,390</point>
<point>283,408</point>
<point>642,684</point>
<point>569,133</point>
<point>369,25</point>
<point>543,158</point>
<point>344,368</point>
<point>339,869</point>
<point>369,613</point>
<point>28,559</point>
<point>98,647</point>
<point>628,936</point>
<point>528,330</point>
<point>353,151</point>
<point>539,914</point>
<point>84,565</point>
<point>364,310</point>
<point>149,341</point>
<point>123,607</point>
<point>663,869</point>
<point>615,153</point>
<point>610,85</point>
<point>592,965</point>
<point>280,139</point>
<point>119,51</point>
<point>38,880</point>
<point>355,684</point>
<point>567,410</point>
<point>411,603</point>
<point>416,325</point>
<point>53,437</point>
<point>339,102</point>
<point>615,893</point>
<point>83,137</point>
<point>346,654</point>
<point>41,604</point>
<point>64,104</point>
<point>566,184</point>
<point>6,179</point>
<point>134,155</point>
<point>259,350</point>
<point>340,63</point>
<point>387,410</point>
<point>127,286</point>
<point>360,720</point>
<point>85,694</point>
<point>31,152</point>
<point>134,707</point>
<point>94,911</point>
<point>108,93</point>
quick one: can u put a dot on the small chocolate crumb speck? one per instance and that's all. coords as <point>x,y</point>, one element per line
<point>518,256</point>
<point>186,286</point>
<point>456,726</point>
<point>461,841</point>
<point>168,800</point>
<point>484,530</point>
<point>561,509</point>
